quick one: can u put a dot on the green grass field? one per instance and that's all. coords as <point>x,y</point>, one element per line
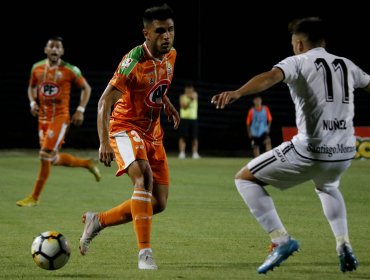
<point>206,232</point>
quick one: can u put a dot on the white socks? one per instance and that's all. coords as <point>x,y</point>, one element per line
<point>335,212</point>
<point>263,208</point>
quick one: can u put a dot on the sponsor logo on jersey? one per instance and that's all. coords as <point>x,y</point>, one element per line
<point>280,155</point>
<point>49,89</point>
<point>126,63</point>
<point>155,96</point>
<point>334,124</point>
<point>330,150</point>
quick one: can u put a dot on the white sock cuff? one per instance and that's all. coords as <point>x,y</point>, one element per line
<point>142,251</point>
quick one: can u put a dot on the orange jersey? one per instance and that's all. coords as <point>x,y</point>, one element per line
<point>144,82</point>
<point>54,87</point>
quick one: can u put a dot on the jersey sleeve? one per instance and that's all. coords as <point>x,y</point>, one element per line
<point>76,75</point>
<point>249,118</point>
<point>33,79</point>
<point>360,78</point>
<point>79,80</point>
<point>123,73</point>
<point>290,68</point>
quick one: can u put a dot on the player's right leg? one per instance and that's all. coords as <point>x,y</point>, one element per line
<point>91,229</point>
<point>274,168</point>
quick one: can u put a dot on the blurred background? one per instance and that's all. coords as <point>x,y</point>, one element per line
<point>220,46</point>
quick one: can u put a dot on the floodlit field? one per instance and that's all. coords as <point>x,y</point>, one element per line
<point>206,232</point>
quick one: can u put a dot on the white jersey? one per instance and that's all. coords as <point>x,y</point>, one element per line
<point>321,86</point>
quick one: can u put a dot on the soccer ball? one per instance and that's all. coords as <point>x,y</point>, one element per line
<point>50,250</point>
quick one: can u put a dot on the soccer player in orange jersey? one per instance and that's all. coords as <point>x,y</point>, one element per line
<point>132,134</point>
<point>49,94</point>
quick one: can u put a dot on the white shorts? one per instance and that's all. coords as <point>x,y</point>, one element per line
<point>283,168</point>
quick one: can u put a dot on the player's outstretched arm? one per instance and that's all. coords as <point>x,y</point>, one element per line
<point>257,84</point>
<point>106,101</point>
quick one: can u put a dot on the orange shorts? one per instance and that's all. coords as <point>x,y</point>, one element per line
<point>128,146</point>
<point>52,133</point>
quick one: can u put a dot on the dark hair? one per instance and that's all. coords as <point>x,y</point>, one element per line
<point>162,12</point>
<point>56,38</point>
<point>313,27</point>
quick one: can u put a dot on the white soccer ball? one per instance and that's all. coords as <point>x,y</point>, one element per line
<point>50,250</point>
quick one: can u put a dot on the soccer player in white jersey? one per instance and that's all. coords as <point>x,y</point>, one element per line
<point>321,86</point>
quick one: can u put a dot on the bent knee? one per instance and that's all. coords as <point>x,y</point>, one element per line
<point>244,174</point>
<point>48,155</point>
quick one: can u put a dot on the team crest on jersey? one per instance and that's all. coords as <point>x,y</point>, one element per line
<point>126,63</point>
<point>51,134</point>
<point>169,69</point>
<point>59,75</point>
<point>155,96</point>
<point>49,89</point>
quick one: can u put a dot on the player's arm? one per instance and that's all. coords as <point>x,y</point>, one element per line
<point>106,101</point>
<point>257,84</point>
<point>32,95</point>
<point>78,116</point>
<point>171,112</point>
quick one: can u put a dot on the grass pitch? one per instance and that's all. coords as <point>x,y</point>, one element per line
<point>206,232</point>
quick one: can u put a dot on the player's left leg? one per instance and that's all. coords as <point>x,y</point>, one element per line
<point>68,160</point>
<point>267,142</point>
<point>327,188</point>
<point>194,137</point>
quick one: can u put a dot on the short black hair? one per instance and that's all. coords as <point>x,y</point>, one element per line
<point>162,12</point>
<point>56,38</point>
<point>313,27</point>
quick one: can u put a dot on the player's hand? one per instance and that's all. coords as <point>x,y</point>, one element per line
<point>172,115</point>
<point>224,98</point>
<point>106,154</point>
<point>35,110</point>
<point>77,118</point>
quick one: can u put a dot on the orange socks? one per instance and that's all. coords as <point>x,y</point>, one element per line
<point>41,179</point>
<point>71,161</point>
<point>118,215</point>
<point>142,213</point>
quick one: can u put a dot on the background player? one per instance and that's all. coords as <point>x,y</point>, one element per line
<point>321,86</point>
<point>49,94</point>
<point>132,134</point>
<point>258,126</point>
<point>189,122</point>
